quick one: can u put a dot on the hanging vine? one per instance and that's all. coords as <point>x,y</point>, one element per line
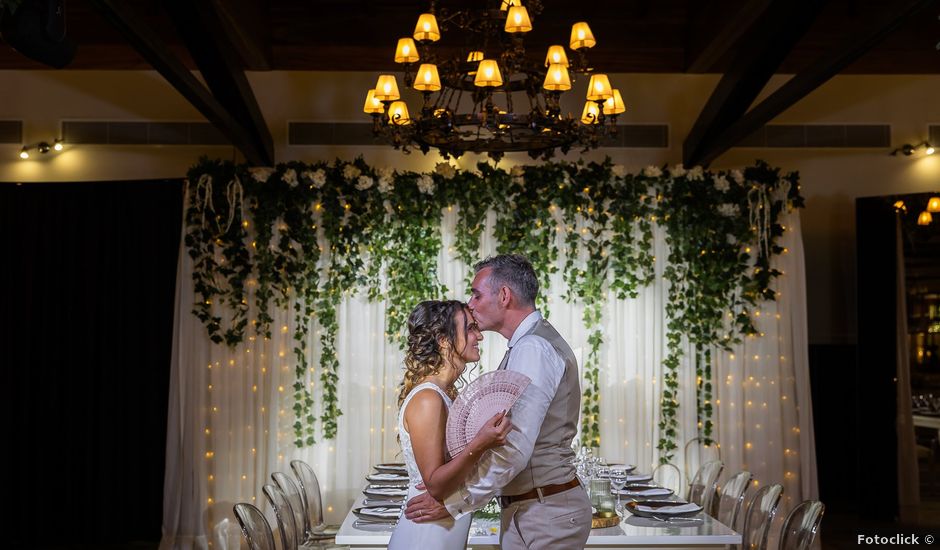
<point>304,236</point>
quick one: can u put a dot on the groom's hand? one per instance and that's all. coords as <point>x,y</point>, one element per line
<point>424,508</point>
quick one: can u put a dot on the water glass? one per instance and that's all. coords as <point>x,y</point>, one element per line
<point>600,489</point>
<point>618,480</point>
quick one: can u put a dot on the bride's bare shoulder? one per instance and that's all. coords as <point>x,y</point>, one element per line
<point>426,400</point>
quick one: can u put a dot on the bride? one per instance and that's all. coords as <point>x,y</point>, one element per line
<point>442,338</point>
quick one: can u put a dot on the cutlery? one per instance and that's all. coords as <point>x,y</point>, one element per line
<point>382,502</point>
<point>361,522</point>
<point>670,520</point>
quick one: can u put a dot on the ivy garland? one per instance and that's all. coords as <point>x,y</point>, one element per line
<point>306,235</point>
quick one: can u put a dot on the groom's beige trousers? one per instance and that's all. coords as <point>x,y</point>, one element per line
<point>559,522</point>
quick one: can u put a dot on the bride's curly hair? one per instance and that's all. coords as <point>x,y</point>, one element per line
<point>431,322</point>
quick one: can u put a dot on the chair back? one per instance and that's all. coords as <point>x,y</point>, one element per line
<point>702,487</point>
<point>310,490</point>
<point>696,453</point>
<point>668,476</point>
<point>731,498</point>
<point>758,517</point>
<point>801,525</point>
<point>292,492</point>
<point>254,526</point>
<point>285,517</point>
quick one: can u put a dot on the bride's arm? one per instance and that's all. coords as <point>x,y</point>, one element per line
<point>426,421</point>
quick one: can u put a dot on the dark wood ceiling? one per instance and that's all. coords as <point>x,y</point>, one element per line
<point>661,36</point>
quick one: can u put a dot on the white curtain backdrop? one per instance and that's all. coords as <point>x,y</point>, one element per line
<point>230,409</point>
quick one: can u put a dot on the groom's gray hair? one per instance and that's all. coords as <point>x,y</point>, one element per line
<point>514,271</point>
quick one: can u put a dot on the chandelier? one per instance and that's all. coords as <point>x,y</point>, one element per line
<point>489,96</point>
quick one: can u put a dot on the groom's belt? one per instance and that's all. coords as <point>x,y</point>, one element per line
<point>538,492</point>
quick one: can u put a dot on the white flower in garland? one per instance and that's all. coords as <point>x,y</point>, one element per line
<point>518,174</point>
<point>738,176</point>
<point>445,170</point>
<point>364,182</point>
<point>677,171</point>
<point>261,175</point>
<point>290,178</point>
<point>696,174</point>
<point>350,172</point>
<point>619,170</point>
<point>652,171</point>
<point>316,178</point>
<point>389,209</point>
<point>426,184</point>
<point>729,210</point>
<point>722,184</point>
<point>386,180</point>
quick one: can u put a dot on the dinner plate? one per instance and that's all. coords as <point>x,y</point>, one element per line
<point>641,486</point>
<point>643,493</point>
<point>386,492</point>
<point>392,468</point>
<point>387,479</point>
<point>663,509</point>
<point>633,479</point>
<point>382,513</point>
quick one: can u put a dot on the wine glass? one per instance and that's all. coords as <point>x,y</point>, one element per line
<point>618,480</point>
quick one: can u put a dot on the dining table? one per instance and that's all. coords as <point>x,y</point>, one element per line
<point>632,531</point>
<point>926,419</point>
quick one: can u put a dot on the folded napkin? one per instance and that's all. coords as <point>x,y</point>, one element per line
<point>384,476</point>
<point>381,511</point>
<point>652,492</point>
<point>677,509</point>
<point>398,491</point>
<point>633,478</point>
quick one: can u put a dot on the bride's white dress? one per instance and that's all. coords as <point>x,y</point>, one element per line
<point>445,534</point>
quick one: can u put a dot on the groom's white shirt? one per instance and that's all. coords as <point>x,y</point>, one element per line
<point>536,358</point>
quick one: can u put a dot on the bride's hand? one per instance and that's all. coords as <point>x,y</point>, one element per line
<point>492,434</point>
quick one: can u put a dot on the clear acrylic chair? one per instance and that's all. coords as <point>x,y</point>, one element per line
<point>316,529</point>
<point>668,476</point>
<point>706,453</point>
<point>731,498</point>
<point>285,516</point>
<point>702,487</point>
<point>294,499</point>
<point>254,526</point>
<point>759,516</point>
<point>801,525</point>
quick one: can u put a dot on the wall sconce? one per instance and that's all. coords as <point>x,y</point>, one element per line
<point>907,149</point>
<point>43,147</point>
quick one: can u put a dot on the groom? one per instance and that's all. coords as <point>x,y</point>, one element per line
<point>543,506</point>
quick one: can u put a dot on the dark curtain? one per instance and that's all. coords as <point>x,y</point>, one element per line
<point>89,272</point>
<point>876,372</point>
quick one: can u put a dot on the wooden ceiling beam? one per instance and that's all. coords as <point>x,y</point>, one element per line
<point>245,21</point>
<point>717,43</point>
<point>758,54</point>
<point>206,37</point>
<point>804,82</point>
<point>155,51</point>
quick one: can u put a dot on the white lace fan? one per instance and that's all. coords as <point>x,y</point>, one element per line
<point>487,395</point>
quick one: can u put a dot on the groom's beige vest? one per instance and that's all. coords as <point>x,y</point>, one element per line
<point>551,461</point>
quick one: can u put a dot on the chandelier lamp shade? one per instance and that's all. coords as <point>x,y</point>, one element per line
<point>484,93</point>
